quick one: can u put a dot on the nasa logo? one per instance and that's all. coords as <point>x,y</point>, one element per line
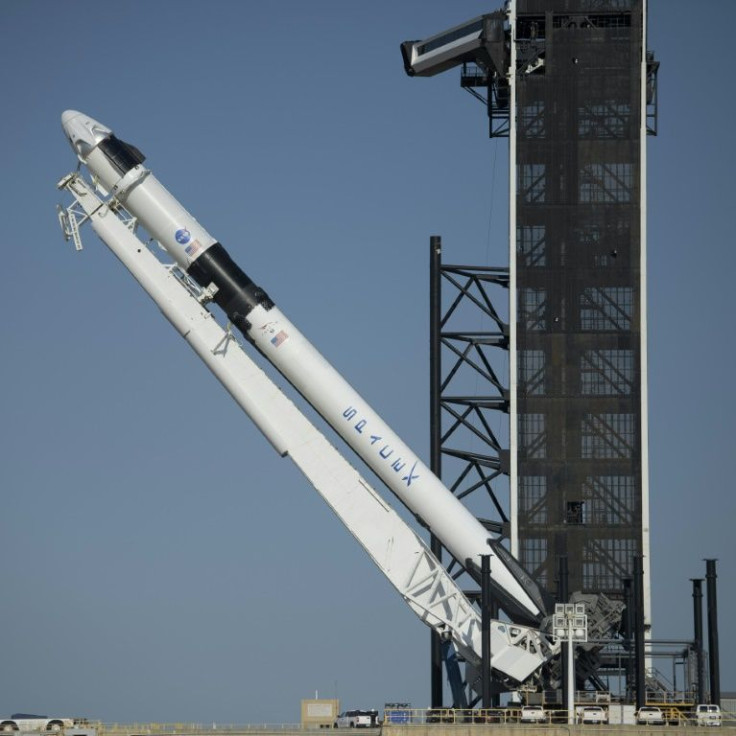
<point>182,236</point>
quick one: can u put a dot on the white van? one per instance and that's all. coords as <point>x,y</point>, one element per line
<point>708,715</point>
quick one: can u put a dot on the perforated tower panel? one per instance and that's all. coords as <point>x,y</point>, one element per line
<point>578,409</point>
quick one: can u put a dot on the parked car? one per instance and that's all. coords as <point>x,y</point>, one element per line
<point>29,722</point>
<point>533,714</point>
<point>357,719</point>
<point>649,714</point>
<point>707,714</point>
<point>592,714</point>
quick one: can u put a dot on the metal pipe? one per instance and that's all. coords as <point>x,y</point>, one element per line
<point>698,636</point>
<point>628,622</point>
<point>639,653</point>
<point>435,434</point>
<point>713,658</point>
<point>486,606</point>
<point>563,596</point>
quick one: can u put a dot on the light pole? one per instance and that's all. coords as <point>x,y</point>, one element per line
<point>570,625</point>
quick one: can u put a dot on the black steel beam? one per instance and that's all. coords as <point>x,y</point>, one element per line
<point>435,442</point>
<point>698,636</point>
<point>713,655</point>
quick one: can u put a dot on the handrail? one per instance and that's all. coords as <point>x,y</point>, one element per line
<point>674,716</point>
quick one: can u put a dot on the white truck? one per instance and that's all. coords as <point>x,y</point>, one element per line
<point>650,715</point>
<point>592,714</point>
<point>533,714</point>
<point>707,714</point>
<point>29,722</point>
<point>357,719</point>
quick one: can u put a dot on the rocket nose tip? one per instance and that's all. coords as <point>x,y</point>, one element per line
<point>67,116</point>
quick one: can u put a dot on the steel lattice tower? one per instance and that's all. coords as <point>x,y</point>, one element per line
<point>578,364</point>
<point>571,85</point>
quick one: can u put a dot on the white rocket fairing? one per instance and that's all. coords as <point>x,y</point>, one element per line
<point>118,168</point>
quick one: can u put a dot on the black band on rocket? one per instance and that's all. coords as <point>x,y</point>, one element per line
<point>236,294</point>
<point>123,156</point>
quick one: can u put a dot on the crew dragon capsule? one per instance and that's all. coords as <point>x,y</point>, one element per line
<point>118,168</point>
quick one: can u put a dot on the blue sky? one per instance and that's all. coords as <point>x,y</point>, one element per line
<point>159,561</point>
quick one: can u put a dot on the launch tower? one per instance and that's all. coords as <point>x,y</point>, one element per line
<point>572,86</point>
<point>583,97</point>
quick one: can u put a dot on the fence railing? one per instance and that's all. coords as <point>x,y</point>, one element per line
<point>612,716</point>
<point>185,729</point>
<point>604,714</point>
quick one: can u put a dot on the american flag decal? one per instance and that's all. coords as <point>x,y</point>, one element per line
<point>193,248</point>
<point>278,338</point>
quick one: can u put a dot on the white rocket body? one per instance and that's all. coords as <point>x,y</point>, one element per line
<point>263,324</point>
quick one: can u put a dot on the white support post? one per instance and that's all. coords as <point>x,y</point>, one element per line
<point>570,624</point>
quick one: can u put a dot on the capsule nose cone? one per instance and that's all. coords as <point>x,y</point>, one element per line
<point>83,132</point>
<point>67,116</point>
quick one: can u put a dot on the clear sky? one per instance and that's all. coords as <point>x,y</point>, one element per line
<point>158,561</point>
